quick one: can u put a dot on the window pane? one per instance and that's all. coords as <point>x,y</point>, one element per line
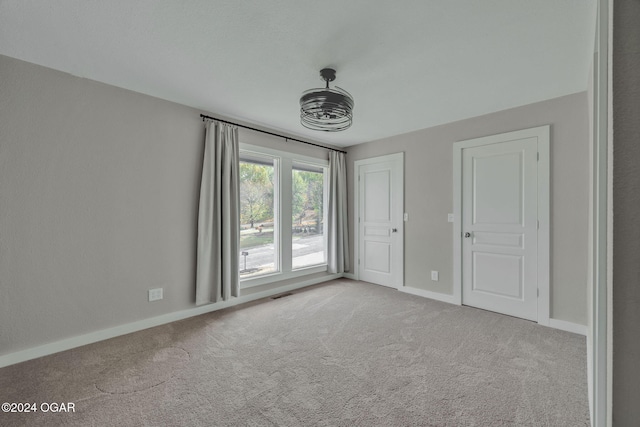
<point>307,207</point>
<point>257,219</point>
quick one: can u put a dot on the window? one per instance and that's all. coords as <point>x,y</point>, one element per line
<point>282,199</point>
<point>258,216</point>
<point>308,241</point>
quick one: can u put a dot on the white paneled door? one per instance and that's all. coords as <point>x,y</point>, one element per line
<point>500,227</point>
<point>380,220</point>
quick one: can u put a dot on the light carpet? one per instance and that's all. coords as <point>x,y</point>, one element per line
<point>344,353</point>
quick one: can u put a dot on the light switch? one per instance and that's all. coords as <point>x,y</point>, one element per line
<point>155,294</point>
<point>406,216</point>
<point>450,217</point>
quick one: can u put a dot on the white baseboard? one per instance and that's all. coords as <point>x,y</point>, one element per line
<point>553,323</point>
<point>80,340</point>
<point>448,298</point>
<point>73,342</point>
<point>568,326</point>
<point>349,276</point>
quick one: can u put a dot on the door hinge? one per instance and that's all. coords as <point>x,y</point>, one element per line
<point>538,292</point>
<point>538,153</point>
<point>358,261</point>
<point>538,224</point>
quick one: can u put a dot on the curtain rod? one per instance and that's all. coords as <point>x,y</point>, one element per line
<point>271,133</point>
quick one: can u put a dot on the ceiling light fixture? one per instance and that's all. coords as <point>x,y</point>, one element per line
<point>329,110</point>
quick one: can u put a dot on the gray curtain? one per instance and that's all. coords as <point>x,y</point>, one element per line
<point>338,239</point>
<point>217,276</point>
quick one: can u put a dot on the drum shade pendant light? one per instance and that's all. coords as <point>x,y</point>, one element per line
<point>329,110</point>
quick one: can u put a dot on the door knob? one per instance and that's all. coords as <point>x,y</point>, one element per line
<point>394,230</point>
<point>467,234</point>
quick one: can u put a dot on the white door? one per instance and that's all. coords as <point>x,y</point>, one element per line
<point>499,227</point>
<point>380,191</point>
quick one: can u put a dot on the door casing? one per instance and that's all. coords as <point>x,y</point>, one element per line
<point>542,135</point>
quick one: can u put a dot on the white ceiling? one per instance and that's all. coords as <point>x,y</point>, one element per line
<point>409,64</point>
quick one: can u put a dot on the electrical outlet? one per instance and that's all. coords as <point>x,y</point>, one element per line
<point>155,294</point>
<point>434,275</point>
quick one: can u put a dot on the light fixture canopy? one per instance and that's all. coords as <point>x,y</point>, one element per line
<point>325,109</point>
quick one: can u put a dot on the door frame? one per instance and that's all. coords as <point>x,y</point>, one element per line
<point>600,317</point>
<point>542,133</point>
<point>399,157</point>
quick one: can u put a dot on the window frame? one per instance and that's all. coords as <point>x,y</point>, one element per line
<point>299,165</point>
<point>283,194</point>
<point>260,158</point>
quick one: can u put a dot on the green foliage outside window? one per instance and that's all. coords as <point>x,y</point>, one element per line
<point>307,200</point>
<point>256,193</point>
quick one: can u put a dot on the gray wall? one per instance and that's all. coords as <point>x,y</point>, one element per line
<point>98,203</point>
<point>429,195</point>
<point>626,210</point>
